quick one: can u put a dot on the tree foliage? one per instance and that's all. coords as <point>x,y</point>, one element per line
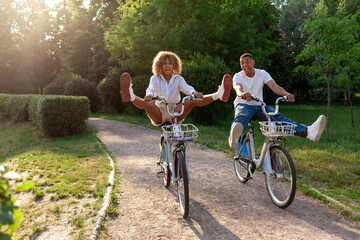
<point>331,41</point>
<point>217,28</point>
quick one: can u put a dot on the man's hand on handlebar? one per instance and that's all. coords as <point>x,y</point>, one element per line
<point>291,97</point>
<point>246,96</point>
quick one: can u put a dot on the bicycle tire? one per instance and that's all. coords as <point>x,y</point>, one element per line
<point>164,167</point>
<point>182,183</point>
<point>281,186</point>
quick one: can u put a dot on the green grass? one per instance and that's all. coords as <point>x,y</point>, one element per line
<point>331,166</point>
<point>66,172</point>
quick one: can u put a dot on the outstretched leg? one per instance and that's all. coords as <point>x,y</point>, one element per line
<point>223,94</point>
<point>128,95</point>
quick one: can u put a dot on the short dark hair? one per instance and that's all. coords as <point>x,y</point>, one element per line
<point>246,55</point>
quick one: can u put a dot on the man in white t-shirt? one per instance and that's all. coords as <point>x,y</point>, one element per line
<point>250,81</point>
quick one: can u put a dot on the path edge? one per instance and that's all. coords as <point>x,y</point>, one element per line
<point>102,212</point>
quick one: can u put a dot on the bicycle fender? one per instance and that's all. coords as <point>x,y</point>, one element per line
<point>266,165</point>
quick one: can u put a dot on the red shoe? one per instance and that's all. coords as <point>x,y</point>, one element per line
<point>126,86</point>
<point>225,88</point>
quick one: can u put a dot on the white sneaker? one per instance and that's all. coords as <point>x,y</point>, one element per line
<point>126,87</point>
<point>225,88</point>
<point>315,130</point>
<point>235,132</point>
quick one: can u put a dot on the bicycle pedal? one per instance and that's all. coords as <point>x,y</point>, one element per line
<point>158,163</point>
<point>160,174</point>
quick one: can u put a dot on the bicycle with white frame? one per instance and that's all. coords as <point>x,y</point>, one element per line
<point>278,166</point>
<point>173,160</point>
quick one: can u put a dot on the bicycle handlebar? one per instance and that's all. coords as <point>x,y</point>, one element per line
<point>270,114</point>
<point>175,114</point>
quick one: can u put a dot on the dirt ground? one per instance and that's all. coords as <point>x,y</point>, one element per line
<point>220,206</point>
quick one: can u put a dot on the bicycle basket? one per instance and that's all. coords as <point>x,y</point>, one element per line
<point>277,129</point>
<point>180,133</point>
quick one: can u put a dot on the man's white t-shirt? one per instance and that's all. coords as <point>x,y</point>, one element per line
<point>254,85</point>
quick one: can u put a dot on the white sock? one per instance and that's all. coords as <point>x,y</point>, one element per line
<point>215,96</point>
<point>132,95</point>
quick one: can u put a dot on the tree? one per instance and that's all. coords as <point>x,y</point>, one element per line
<point>218,28</point>
<point>293,13</point>
<point>329,43</point>
<point>27,62</point>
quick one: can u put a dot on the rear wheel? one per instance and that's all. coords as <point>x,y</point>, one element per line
<point>182,183</point>
<point>164,167</point>
<point>281,185</point>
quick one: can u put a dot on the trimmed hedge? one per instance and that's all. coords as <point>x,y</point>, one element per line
<point>14,107</point>
<point>54,115</point>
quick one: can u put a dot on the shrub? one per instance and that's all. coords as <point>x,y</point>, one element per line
<point>56,87</point>
<point>205,73</point>
<point>5,107</point>
<point>19,111</point>
<point>59,115</point>
<point>14,107</point>
<point>67,83</point>
<point>109,89</point>
<point>80,87</point>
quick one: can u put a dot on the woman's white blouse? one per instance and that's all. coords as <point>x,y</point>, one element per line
<point>158,86</point>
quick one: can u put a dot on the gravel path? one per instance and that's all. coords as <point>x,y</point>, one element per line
<point>220,206</point>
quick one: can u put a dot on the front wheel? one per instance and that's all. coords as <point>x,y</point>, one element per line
<point>241,166</point>
<point>164,167</point>
<point>182,183</point>
<point>281,184</point>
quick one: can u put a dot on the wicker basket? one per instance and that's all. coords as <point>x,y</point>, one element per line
<point>277,129</point>
<point>180,133</point>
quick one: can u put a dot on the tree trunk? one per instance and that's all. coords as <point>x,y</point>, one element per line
<point>329,102</point>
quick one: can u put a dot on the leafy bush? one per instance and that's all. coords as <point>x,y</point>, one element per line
<point>67,83</point>
<point>5,107</point>
<point>56,87</point>
<point>59,115</point>
<point>81,87</point>
<point>20,107</point>
<point>109,89</point>
<point>10,214</point>
<point>205,74</point>
<point>14,107</point>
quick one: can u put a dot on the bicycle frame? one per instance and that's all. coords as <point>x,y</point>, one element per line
<point>247,149</point>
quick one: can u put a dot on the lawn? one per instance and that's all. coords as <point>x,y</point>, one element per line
<point>331,166</point>
<point>70,177</point>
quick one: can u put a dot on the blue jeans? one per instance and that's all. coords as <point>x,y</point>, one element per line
<point>244,113</point>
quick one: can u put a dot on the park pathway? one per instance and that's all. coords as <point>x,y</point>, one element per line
<point>220,206</point>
